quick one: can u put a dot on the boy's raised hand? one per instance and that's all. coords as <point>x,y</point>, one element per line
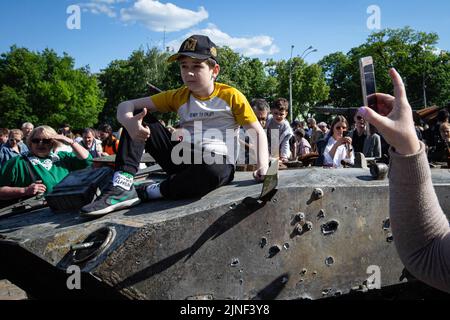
<point>135,128</point>
<point>398,126</point>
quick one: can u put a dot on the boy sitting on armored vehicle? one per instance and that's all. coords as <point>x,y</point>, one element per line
<point>205,107</point>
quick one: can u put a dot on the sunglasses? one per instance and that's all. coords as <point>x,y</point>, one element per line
<point>16,140</point>
<point>43,141</point>
<point>339,128</point>
<point>359,118</point>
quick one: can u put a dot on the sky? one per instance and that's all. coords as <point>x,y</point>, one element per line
<point>105,30</point>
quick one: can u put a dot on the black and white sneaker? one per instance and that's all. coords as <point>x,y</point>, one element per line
<point>113,198</point>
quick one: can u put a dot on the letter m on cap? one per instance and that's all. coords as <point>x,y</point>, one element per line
<point>190,45</point>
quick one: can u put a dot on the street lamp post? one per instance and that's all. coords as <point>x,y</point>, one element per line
<point>424,70</point>
<point>424,88</point>
<point>309,48</point>
<point>290,85</point>
<point>303,56</point>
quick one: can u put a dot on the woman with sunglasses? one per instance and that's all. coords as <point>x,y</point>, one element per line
<point>13,146</point>
<point>336,147</point>
<point>47,167</point>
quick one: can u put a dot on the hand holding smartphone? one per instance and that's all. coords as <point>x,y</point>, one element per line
<point>367,71</point>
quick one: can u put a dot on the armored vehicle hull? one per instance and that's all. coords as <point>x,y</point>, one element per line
<point>321,233</point>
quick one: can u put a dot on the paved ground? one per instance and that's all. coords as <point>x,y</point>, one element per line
<point>8,291</point>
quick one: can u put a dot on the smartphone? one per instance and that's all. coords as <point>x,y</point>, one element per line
<point>368,82</point>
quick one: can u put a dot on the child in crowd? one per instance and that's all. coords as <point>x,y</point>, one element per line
<point>301,146</point>
<point>279,131</point>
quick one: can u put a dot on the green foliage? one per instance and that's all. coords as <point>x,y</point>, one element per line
<point>43,88</point>
<point>308,85</point>
<point>129,79</point>
<point>412,53</point>
<point>250,76</point>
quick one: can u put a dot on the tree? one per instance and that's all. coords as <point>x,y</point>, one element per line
<point>129,79</point>
<point>250,76</point>
<point>308,85</point>
<point>44,88</point>
<point>412,53</point>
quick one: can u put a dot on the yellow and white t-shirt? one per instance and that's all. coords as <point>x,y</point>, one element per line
<point>212,122</point>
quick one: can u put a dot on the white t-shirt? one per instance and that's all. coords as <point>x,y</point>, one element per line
<point>212,122</point>
<point>340,154</point>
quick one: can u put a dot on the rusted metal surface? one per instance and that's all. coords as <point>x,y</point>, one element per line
<point>315,237</point>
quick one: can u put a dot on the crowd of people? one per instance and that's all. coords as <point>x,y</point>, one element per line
<point>33,160</point>
<point>335,144</point>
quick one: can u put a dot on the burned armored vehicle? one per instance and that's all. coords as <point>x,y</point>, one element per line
<point>312,233</point>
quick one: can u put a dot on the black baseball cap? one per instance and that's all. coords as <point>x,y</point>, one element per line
<point>197,47</point>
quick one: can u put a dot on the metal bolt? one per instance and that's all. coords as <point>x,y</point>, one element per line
<point>299,216</point>
<point>298,229</point>
<point>308,226</point>
<point>390,237</point>
<point>326,291</point>
<point>318,193</point>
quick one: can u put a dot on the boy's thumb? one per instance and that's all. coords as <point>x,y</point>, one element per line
<point>142,114</point>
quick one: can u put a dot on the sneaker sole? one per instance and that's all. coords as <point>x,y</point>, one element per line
<point>118,206</point>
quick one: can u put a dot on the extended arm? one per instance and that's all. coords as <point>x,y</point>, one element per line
<point>8,193</point>
<point>420,228</point>
<point>262,149</point>
<point>133,123</point>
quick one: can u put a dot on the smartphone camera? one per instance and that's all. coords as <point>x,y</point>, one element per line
<point>368,86</point>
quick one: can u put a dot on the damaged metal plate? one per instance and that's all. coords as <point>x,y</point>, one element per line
<point>320,235</point>
<point>270,179</point>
